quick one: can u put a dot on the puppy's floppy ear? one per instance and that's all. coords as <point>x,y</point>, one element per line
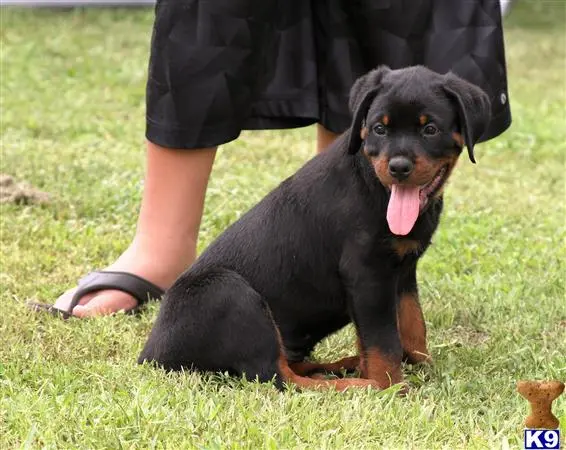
<point>362,94</point>
<point>473,106</point>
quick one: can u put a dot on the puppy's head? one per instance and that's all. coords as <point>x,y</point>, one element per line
<point>412,124</point>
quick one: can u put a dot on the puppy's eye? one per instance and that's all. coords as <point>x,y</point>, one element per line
<point>430,130</point>
<point>380,129</point>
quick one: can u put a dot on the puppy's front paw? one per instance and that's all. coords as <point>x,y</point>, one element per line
<point>417,357</point>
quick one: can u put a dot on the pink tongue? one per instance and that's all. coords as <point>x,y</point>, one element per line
<point>403,209</point>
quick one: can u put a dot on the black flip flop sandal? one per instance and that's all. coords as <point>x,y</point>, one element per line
<point>139,288</point>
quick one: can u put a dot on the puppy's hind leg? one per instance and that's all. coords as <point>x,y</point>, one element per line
<point>215,321</point>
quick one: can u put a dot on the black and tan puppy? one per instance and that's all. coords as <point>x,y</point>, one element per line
<point>335,243</point>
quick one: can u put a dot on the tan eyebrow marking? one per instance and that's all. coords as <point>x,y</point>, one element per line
<point>458,138</point>
<point>385,120</point>
<point>423,119</point>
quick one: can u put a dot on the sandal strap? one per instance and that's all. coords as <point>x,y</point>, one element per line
<point>138,287</point>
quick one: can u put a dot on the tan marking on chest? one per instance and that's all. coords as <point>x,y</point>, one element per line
<point>405,246</point>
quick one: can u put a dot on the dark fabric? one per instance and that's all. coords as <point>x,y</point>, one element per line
<point>220,66</point>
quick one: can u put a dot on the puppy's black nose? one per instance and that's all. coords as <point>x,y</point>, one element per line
<point>400,167</point>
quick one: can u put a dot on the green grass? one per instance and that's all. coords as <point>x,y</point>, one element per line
<point>492,286</point>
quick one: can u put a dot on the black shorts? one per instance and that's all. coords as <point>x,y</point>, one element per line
<point>221,66</point>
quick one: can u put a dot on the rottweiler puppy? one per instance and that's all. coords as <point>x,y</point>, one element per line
<point>337,242</point>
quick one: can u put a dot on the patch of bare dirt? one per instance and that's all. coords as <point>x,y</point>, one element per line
<point>20,193</point>
<point>468,336</point>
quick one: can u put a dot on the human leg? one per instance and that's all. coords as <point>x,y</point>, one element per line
<point>324,138</point>
<point>191,105</point>
<point>165,241</point>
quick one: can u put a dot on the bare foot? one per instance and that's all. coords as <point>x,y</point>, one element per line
<point>165,243</point>
<point>159,267</point>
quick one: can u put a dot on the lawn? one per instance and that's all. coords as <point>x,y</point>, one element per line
<point>492,286</point>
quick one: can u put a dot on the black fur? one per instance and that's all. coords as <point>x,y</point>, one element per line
<point>473,109</point>
<point>364,90</point>
<point>316,253</point>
